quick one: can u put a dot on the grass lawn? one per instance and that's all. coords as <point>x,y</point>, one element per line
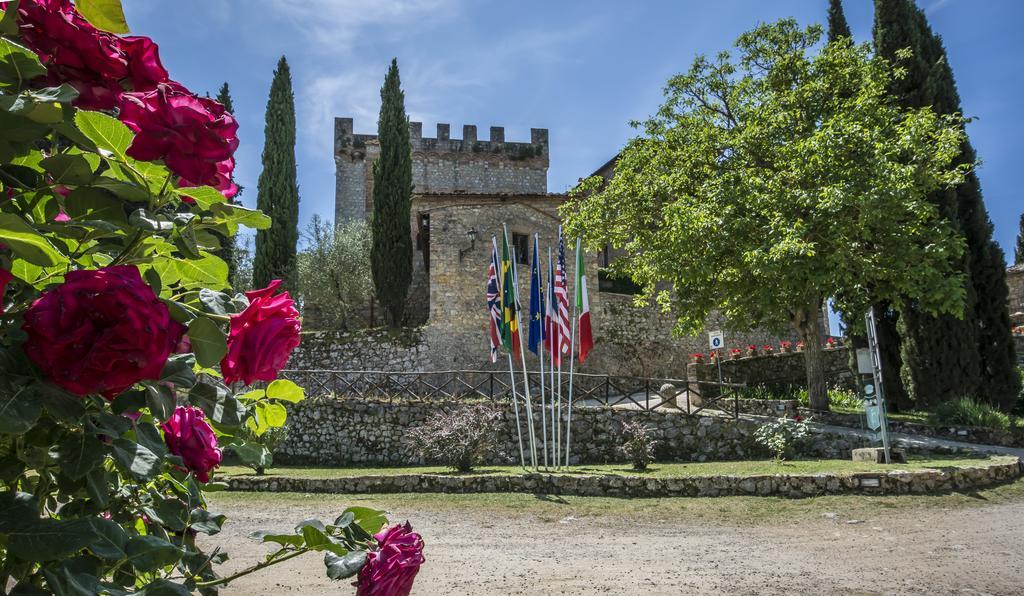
<point>739,511</point>
<point>666,470</point>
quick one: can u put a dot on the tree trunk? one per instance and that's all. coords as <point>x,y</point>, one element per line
<point>807,321</point>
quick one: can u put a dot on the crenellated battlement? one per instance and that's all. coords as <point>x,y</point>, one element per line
<point>348,143</point>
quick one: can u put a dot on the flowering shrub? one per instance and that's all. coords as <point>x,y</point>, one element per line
<point>460,439</point>
<point>637,444</point>
<point>782,437</point>
<point>117,321</point>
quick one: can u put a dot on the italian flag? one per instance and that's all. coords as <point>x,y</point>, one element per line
<point>583,306</point>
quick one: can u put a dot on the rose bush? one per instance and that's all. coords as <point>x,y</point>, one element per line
<point>101,331</point>
<point>262,337</point>
<point>391,570</point>
<point>122,346</point>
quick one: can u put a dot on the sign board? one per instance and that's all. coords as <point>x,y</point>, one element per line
<point>864,364</point>
<point>874,418</point>
<point>716,340</point>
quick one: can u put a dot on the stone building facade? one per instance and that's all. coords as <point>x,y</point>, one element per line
<point>1015,301</point>
<point>466,192</point>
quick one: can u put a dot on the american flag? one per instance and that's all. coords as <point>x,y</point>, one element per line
<point>562,302</point>
<point>494,303</point>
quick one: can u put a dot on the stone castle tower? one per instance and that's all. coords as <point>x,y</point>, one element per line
<point>440,165</point>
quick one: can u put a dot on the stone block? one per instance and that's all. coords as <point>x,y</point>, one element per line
<point>877,455</point>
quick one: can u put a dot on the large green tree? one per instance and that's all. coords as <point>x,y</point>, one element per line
<point>970,353</point>
<point>227,243</point>
<point>768,182</point>
<point>1019,253</point>
<point>837,25</point>
<point>391,252</point>
<point>277,189</point>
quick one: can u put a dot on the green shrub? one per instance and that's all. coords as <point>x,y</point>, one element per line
<point>637,444</point>
<point>782,437</point>
<point>460,439</point>
<point>967,412</point>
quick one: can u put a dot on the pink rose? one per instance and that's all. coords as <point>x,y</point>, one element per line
<point>5,278</point>
<point>392,568</point>
<point>190,437</point>
<point>101,331</point>
<point>100,65</point>
<point>262,337</point>
<point>194,136</point>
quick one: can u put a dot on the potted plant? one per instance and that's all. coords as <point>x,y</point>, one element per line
<point>830,343</point>
<point>735,354</point>
<point>751,351</point>
<point>697,358</point>
<point>799,346</point>
<point>767,350</point>
<point>785,347</point>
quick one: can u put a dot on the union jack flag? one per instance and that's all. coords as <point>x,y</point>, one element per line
<point>494,302</point>
<point>562,301</point>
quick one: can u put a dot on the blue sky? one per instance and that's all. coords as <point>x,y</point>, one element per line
<point>581,69</point>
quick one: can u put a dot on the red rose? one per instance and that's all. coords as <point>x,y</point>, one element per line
<point>391,570</point>
<point>190,437</point>
<point>5,278</point>
<point>100,65</point>
<point>262,337</point>
<point>194,136</point>
<point>101,331</point>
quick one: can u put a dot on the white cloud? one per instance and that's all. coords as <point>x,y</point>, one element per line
<point>336,25</point>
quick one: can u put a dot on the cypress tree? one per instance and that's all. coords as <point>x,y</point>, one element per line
<point>391,252</point>
<point>277,192</point>
<point>227,243</point>
<point>837,25</point>
<point>1019,254</point>
<point>948,357</point>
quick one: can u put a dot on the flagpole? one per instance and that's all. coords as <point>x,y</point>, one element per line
<point>522,358</point>
<point>540,351</point>
<point>555,453</point>
<point>511,367</point>
<point>572,360</point>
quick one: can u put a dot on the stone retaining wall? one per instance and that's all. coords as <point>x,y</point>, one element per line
<point>777,408</point>
<point>781,371</point>
<point>895,482</point>
<point>370,349</point>
<point>1012,437</point>
<point>332,431</point>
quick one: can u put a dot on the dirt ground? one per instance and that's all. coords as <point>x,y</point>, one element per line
<point>826,546</point>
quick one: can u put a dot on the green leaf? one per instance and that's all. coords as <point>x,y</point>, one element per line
<point>107,132</point>
<point>206,522</point>
<point>149,553</point>
<point>204,196</point>
<point>159,400</point>
<point>97,487</point>
<point>79,454</point>
<point>370,520</point>
<point>18,64</point>
<point>235,215</point>
<point>27,243</point>
<point>18,411</point>
<point>163,587</point>
<point>49,539</point>
<point>58,402</point>
<point>285,390</point>
<point>171,513</point>
<point>95,204</point>
<point>274,415</point>
<point>136,459</point>
<point>208,341</point>
<point>9,19</point>
<point>282,539</point>
<point>314,534</point>
<point>120,188</point>
<point>218,403</point>
<point>216,303</point>
<point>178,371</point>
<point>68,169</point>
<point>149,437</point>
<point>253,454</point>
<point>110,540</point>
<point>209,271</point>
<point>344,566</point>
<point>104,14</point>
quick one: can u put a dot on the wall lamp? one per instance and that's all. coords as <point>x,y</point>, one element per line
<point>471,233</point>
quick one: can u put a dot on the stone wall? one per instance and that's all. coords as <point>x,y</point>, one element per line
<point>440,164</point>
<point>1011,437</point>
<point>337,432</point>
<point>775,371</point>
<point>896,482</point>
<point>1015,300</point>
<point>374,349</point>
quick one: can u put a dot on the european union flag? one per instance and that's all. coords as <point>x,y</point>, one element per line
<point>536,301</point>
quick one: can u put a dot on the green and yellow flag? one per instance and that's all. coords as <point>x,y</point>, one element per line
<point>509,320</point>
